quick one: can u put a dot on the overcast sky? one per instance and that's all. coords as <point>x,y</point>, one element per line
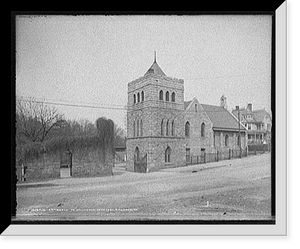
<point>89,60</point>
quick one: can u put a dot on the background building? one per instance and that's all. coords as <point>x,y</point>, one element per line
<point>258,124</point>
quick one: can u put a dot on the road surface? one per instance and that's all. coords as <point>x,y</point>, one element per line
<point>238,189</point>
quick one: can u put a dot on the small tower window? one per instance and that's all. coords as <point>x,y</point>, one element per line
<point>134,98</point>
<point>167,96</point>
<point>161,95</point>
<point>167,128</point>
<point>138,97</point>
<point>162,128</point>
<point>173,97</point>
<point>173,127</point>
<point>141,127</point>
<point>137,128</point>
<point>142,96</point>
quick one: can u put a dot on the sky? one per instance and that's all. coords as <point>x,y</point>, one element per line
<point>89,60</point>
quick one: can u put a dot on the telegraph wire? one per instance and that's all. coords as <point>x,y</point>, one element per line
<point>98,106</point>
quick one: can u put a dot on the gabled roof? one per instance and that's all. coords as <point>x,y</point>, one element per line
<point>155,69</point>
<point>186,104</point>
<point>221,118</point>
<point>259,115</point>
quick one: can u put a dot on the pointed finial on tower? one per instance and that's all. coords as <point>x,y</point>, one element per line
<point>154,56</point>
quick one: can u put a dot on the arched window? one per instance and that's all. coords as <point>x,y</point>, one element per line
<point>162,127</point>
<point>226,140</point>
<point>141,127</point>
<point>173,97</point>
<point>196,107</point>
<point>137,128</point>
<point>161,95</point>
<point>167,96</point>
<point>167,128</point>
<point>187,129</point>
<point>136,154</point>
<point>138,97</point>
<point>173,127</point>
<point>202,130</point>
<point>142,96</point>
<point>168,155</point>
<point>134,128</point>
<point>238,140</point>
<point>134,98</point>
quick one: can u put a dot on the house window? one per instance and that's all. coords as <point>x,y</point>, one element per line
<point>167,128</point>
<point>226,140</point>
<point>173,97</point>
<point>202,130</point>
<point>249,126</point>
<point>187,129</point>
<point>168,155</point>
<point>142,96</point>
<point>134,98</point>
<point>173,127</point>
<point>162,127</point>
<point>167,96</point>
<point>138,97</point>
<point>161,95</point>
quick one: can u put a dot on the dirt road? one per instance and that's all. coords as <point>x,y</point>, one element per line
<point>233,189</point>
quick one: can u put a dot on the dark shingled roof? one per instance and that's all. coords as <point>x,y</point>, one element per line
<point>155,69</point>
<point>221,118</point>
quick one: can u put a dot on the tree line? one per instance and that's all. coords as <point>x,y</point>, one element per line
<point>41,127</point>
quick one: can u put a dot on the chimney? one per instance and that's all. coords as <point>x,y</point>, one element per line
<point>249,107</point>
<point>223,102</point>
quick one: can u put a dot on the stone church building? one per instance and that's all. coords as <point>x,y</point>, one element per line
<point>163,130</point>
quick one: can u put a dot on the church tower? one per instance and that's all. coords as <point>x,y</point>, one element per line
<point>155,122</point>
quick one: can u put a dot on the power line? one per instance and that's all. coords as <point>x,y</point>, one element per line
<point>132,108</point>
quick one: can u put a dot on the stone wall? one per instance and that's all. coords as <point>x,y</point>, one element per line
<point>85,163</point>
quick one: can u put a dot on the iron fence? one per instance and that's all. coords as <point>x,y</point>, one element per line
<point>216,156</point>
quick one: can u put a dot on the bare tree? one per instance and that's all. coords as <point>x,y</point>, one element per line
<point>35,119</point>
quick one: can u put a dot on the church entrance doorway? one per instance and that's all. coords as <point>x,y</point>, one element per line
<point>140,164</point>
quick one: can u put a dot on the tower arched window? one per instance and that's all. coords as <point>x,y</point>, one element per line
<point>167,128</point>
<point>173,128</point>
<point>134,98</point>
<point>134,134</point>
<point>162,127</point>
<point>173,97</point>
<point>138,97</point>
<point>141,127</point>
<point>137,128</point>
<point>187,129</point>
<point>167,96</point>
<point>226,140</point>
<point>168,155</point>
<point>136,154</point>
<point>161,95</point>
<point>202,130</point>
<point>142,96</point>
